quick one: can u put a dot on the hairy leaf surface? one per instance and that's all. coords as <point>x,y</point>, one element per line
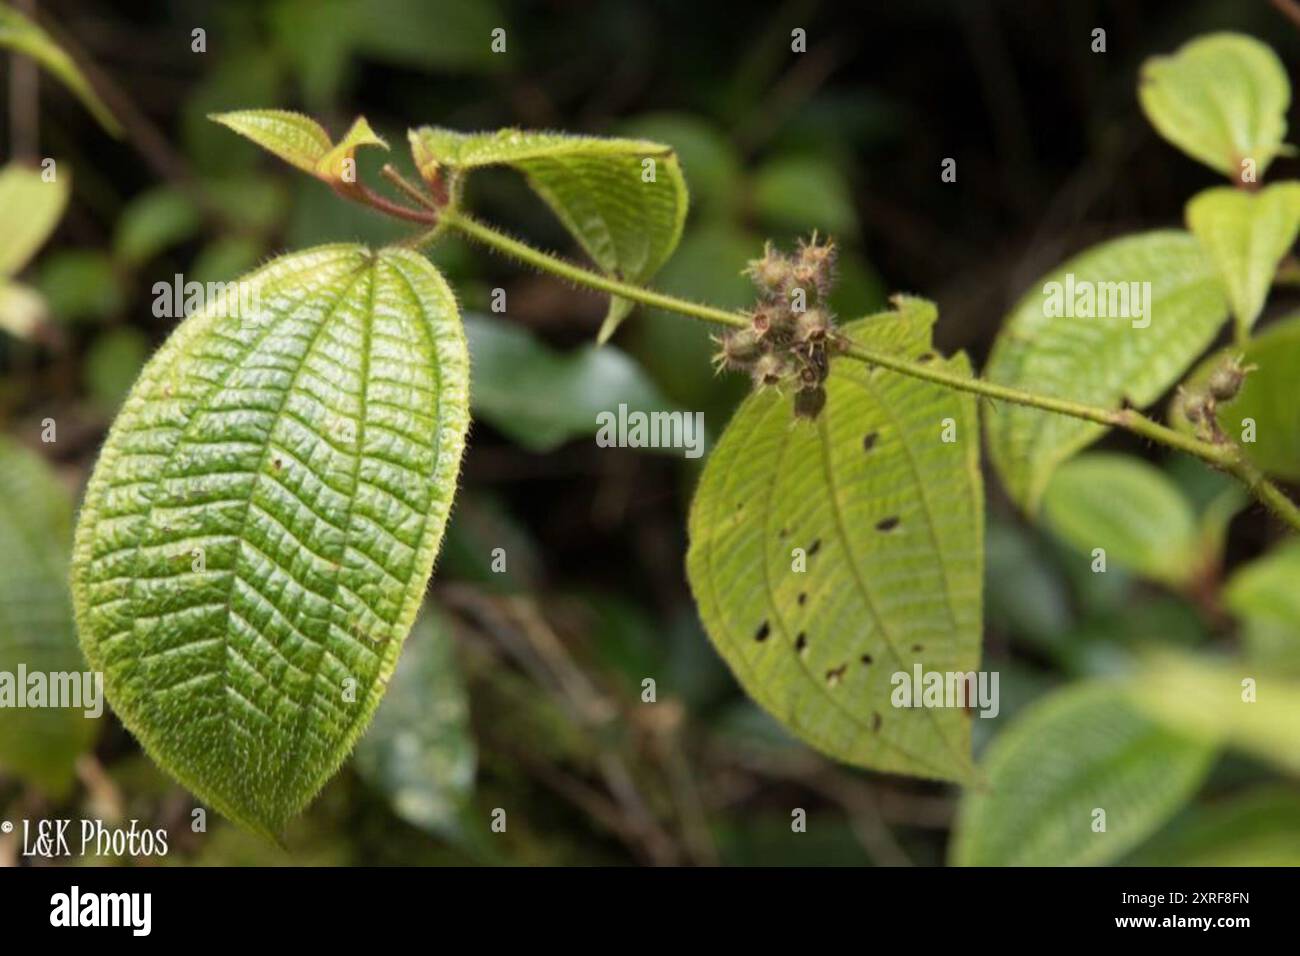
<point>889,519</point>
<point>1221,98</point>
<point>261,524</point>
<point>36,632</point>
<point>1246,234</point>
<point>1100,360</point>
<point>419,751</point>
<point>597,187</point>
<point>1080,749</point>
<point>22,35</point>
<point>1129,508</point>
<point>302,142</point>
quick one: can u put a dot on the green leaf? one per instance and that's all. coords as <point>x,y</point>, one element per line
<point>36,632</point>
<point>1246,234</point>
<point>541,398</point>
<point>805,192</point>
<point>1129,508</point>
<point>112,364</point>
<point>154,222</point>
<point>1237,703</point>
<point>890,519</point>
<point>302,142</point>
<point>419,751</point>
<point>31,209</point>
<point>22,310</point>
<point>80,285</point>
<point>597,188</point>
<point>1222,99</point>
<point>1103,361</point>
<point>1076,751</point>
<point>308,448</point>
<point>708,158</point>
<point>1258,828</point>
<point>21,34</point>
<point>1264,595</point>
<point>1264,417</point>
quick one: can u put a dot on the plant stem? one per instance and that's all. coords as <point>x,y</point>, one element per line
<point>1225,456</point>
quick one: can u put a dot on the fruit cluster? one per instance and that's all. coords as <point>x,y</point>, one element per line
<point>791,333</point>
<point>1200,406</point>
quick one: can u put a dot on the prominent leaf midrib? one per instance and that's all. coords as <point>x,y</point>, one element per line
<point>963,760</point>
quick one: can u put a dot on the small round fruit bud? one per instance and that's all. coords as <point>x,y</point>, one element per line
<point>769,369</point>
<point>770,273</point>
<point>1226,380</point>
<point>811,326</point>
<point>808,402</point>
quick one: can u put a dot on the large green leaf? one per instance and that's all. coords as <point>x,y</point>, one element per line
<point>22,35</point>
<point>307,449</point>
<point>599,188</point>
<point>890,518</point>
<point>1246,234</point>
<point>1130,509</point>
<point>1266,405</point>
<point>542,398</point>
<point>1076,751</point>
<point>418,751</point>
<point>31,209</point>
<point>1258,828</point>
<point>1265,595</point>
<point>36,632</point>
<point>1222,99</point>
<point>1100,361</point>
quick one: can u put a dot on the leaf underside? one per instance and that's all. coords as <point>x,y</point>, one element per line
<point>309,448</point>
<point>1098,360</point>
<point>890,518</point>
<point>596,187</point>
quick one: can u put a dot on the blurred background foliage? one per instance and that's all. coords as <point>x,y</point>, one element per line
<point>522,689</point>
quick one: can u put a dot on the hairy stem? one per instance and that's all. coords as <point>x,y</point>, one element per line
<point>1225,456</point>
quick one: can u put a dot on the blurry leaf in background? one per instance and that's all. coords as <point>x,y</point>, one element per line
<point>152,223</point>
<point>112,364</point>
<point>1221,701</point>
<point>708,158</point>
<point>1025,593</point>
<point>541,398</point>
<point>418,751</point>
<point>1128,508</point>
<point>81,285</point>
<point>1221,98</point>
<point>244,77</point>
<point>23,36</point>
<point>318,215</point>
<point>894,570</point>
<point>450,36</point>
<point>22,310</point>
<point>250,201</point>
<point>226,258</point>
<point>480,525</point>
<point>31,209</point>
<point>805,192</point>
<point>1266,408</point>
<point>1049,346</point>
<point>39,744</point>
<point>1078,750</point>
<point>623,200</point>
<point>1246,235</point>
<point>1106,641</point>
<point>1265,594</point>
<point>1258,828</point>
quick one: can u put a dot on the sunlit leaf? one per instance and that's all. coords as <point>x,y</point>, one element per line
<point>623,200</point>
<point>1055,343</point>
<point>302,142</point>
<point>1246,234</point>
<point>1221,98</point>
<point>31,208</point>
<point>262,522</point>
<point>1074,754</point>
<point>888,517</point>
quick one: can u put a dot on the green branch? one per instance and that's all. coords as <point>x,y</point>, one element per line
<point>1225,456</point>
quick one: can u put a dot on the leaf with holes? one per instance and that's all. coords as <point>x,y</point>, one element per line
<point>1246,234</point>
<point>419,751</point>
<point>36,632</point>
<point>827,556</point>
<point>1091,331</point>
<point>1222,99</point>
<point>1079,750</point>
<point>23,36</point>
<point>1129,508</point>
<point>263,519</point>
<point>623,200</point>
